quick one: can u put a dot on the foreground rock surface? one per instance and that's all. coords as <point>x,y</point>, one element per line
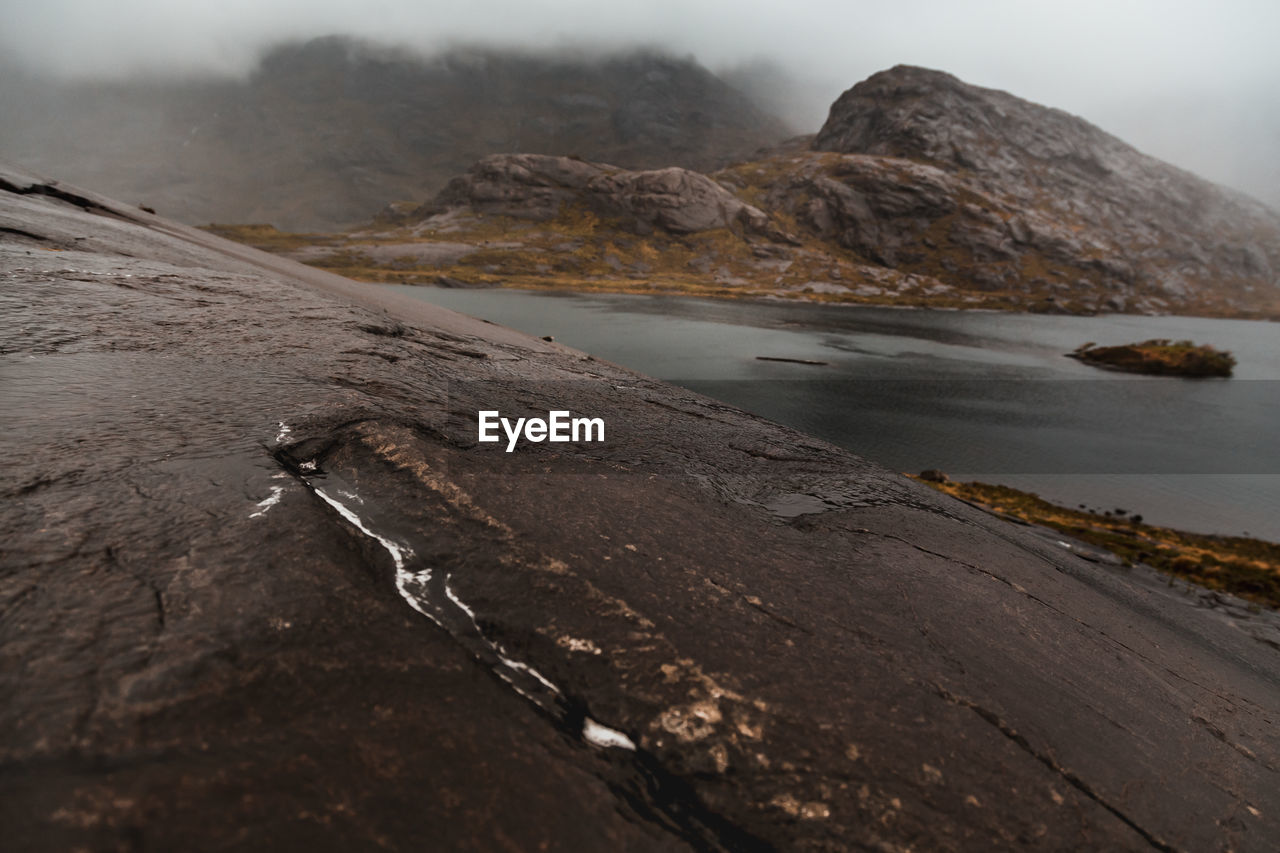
<point>199,650</point>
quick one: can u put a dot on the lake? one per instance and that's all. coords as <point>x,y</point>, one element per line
<point>979,395</point>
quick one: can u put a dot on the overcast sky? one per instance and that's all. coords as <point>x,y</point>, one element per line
<point>1193,81</point>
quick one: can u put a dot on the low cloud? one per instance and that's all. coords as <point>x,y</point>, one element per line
<point>1154,73</point>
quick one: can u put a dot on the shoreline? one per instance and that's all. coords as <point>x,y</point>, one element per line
<point>1247,567</point>
<point>728,295</point>
<point>691,286</point>
<point>772,300</point>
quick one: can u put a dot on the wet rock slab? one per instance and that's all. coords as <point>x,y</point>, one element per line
<point>263,590</point>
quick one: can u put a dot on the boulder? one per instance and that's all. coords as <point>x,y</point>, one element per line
<point>541,187</point>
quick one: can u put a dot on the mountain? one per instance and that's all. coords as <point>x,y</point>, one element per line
<point>982,188</point>
<point>324,133</point>
<point>919,189</point>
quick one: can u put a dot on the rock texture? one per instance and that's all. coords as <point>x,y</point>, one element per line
<point>541,188</point>
<point>978,186</point>
<point>326,133</point>
<point>263,590</point>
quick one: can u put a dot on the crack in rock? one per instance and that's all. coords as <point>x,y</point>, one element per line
<point>1075,781</point>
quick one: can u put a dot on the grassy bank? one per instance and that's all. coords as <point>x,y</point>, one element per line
<point>1249,568</point>
<point>578,251</point>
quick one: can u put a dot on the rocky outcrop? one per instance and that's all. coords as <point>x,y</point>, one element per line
<point>984,189</point>
<point>929,115</point>
<point>540,188</point>
<point>1159,357</point>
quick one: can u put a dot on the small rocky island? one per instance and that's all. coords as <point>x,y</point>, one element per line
<point>1160,357</point>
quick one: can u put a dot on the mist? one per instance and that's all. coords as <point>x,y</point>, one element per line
<point>1190,82</point>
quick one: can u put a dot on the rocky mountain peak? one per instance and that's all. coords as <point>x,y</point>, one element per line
<point>924,114</point>
<point>1029,195</point>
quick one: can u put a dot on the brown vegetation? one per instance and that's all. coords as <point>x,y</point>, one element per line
<point>1249,568</point>
<point>1159,356</point>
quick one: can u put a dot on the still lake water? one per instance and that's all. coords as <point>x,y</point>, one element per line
<point>978,395</point>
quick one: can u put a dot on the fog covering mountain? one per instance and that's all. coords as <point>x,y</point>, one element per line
<point>919,189</point>
<point>326,132</point>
